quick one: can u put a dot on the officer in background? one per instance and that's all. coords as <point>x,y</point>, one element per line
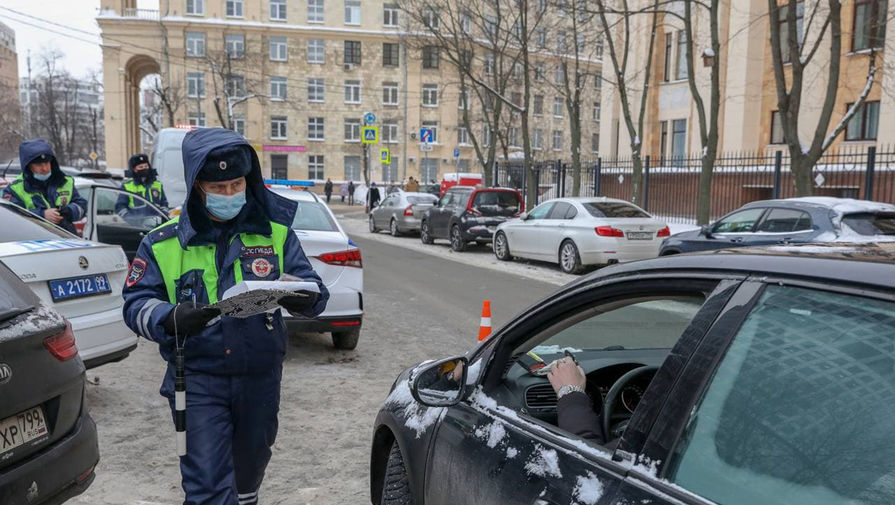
<point>143,182</point>
<point>43,188</point>
<point>232,229</point>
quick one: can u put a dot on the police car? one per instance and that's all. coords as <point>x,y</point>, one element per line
<point>82,280</point>
<point>335,258</point>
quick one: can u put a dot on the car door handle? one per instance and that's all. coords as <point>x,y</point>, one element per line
<point>737,239</point>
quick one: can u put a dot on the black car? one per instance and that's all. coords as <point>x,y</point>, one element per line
<point>738,377</point>
<point>789,221</point>
<point>467,214</point>
<point>48,441</point>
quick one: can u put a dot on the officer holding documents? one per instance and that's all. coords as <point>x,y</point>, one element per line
<point>232,229</point>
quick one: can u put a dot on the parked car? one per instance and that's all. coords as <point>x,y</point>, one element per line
<point>48,441</point>
<point>79,278</point>
<point>401,212</point>
<point>736,377</point>
<point>104,224</point>
<point>791,221</point>
<point>337,259</point>
<point>466,214</point>
<point>578,232</point>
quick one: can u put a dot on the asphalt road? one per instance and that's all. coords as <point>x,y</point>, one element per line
<point>418,307</point>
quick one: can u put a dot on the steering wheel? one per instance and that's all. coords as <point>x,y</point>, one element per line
<point>615,391</point>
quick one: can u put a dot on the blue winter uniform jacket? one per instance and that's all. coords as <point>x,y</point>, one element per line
<point>227,346</point>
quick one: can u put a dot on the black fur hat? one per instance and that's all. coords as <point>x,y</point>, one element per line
<point>225,163</point>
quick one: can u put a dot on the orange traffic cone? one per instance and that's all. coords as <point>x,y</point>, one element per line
<point>485,327</point>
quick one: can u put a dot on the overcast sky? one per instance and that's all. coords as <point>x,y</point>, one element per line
<point>61,24</point>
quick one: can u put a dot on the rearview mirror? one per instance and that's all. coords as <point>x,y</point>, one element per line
<point>439,384</point>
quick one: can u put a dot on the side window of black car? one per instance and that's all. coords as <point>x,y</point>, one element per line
<point>785,221</point>
<point>739,222</point>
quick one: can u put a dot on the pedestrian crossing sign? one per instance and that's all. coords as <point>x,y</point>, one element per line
<point>384,156</point>
<point>370,135</point>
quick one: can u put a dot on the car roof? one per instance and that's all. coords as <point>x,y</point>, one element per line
<point>299,195</point>
<point>838,205</point>
<point>588,199</point>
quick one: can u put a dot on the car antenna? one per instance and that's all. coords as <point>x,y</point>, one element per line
<point>7,168</point>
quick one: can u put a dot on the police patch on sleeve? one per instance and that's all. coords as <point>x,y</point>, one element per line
<point>138,268</point>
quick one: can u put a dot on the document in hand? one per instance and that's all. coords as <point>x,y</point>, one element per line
<point>249,298</point>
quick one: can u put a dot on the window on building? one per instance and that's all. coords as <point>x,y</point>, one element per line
<point>195,7</point>
<point>390,93</point>
<point>669,41</point>
<point>542,6</point>
<point>315,128</point>
<point>489,64</point>
<point>598,82</point>
<point>390,15</point>
<point>594,142</point>
<point>431,19</point>
<point>466,22</point>
<point>430,57</point>
<point>557,106</point>
<point>517,70</point>
<point>777,128</point>
<point>663,139</point>
<point>236,86</point>
<point>279,166</point>
<point>869,25</point>
<point>784,29</point>
<point>278,49</point>
<point>513,136</point>
<point>234,8</point>
<point>463,100</point>
<point>352,12</point>
<point>863,125</point>
<point>681,69</point>
<point>278,127</point>
<point>196,119</point>
<point>278,10</point>
<point>316,51</point>
<point>239,125</point>
<point>195,85</point>
<point>596,113</point>
<point>352,130</point>
<point>390,54</point>
<point>432,125</point>
<point>559,75</point>
<point>490,27</point>
<point>235,45</point>
<point>352,168</point>
<point>277,88</point>
<point>598,47</point>
<point>390,131</point>
<point>430,95</point>
<point>561,43</point>
<point>315,167</point>
<point>539,71</point>
<point>538,105</point>
<point>315,11</point>
<point>316,90</point>
<point>557,140</point>
<point>352,91</point>
<point>678,138</point>
<point>352,52</point>
<point>537,139</point>
<point>429,170</point>
<point>486,135</point>
<point>541,37</point>
<point>195,44</point>
<point>462,136</point>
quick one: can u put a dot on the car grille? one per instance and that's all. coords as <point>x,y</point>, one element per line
<point>541,397</point>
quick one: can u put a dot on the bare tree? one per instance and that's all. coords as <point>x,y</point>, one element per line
<point>788,49</point>
<point>56,112</point>
<point>232,82</point>
<point>171,97</point>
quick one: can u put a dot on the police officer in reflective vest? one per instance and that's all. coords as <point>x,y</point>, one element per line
<point>144,182</point>
<point>43,188</point>
<point>232,229</point>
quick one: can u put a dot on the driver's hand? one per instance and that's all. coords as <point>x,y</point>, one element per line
<point>563,372</point>
<point>52,215</point>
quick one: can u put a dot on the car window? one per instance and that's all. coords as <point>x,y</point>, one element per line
<point>112,207</point>
<point>785,220</point>
<point>312,216</point>
<point>541,211</point>
<point>388,202</point>
<point>559,210</point>
<point>21,225</point>
<point>15,297</point>
<point>571,213</point>
<point>739,222</point>
<point>461,198</point>
<point>801,408</point>
<point>497,199</point>
<point>870,223</point>
<point>613,209</point>
<point>421,200</point>
<point>447,199</point>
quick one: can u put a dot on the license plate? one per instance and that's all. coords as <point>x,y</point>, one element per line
<point>640,235</point>
<point>22,428</point>
<point>76,287</point>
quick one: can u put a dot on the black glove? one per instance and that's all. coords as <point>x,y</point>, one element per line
<point>190,320</point>
<point>298,303</point>
<point>66,213</point>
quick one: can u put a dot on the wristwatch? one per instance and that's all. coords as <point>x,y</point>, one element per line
<point>568,388</point>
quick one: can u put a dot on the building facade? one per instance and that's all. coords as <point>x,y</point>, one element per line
<point>297,78</point>
<point>10,108</point>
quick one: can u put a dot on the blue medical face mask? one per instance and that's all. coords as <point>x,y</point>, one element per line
<point>42,177</point>
<point>225,207</point>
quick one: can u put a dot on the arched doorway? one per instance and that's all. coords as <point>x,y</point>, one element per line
<point>137,68</point>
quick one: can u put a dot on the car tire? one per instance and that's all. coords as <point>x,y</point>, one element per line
<point>396,485</point>
<point>457,242</point>
<point>393,228</point>
<point>425,236</point>
<point>373,228</point>
<point>569,259</point>
<point>346,340</point>
<point>502,247</point>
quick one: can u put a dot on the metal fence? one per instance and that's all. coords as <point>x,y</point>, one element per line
<point>671,186</point>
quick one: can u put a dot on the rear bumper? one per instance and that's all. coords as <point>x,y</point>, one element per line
<point>325,324</point>
<point>408,223</point>
<point>53,472</point>
<point>604,254</point>
<point>479,233</point>
<point>102,337</point>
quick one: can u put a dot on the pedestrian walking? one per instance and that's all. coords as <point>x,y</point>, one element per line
<point>43,189</point>
<point>143,181</point>
<point>343,191</point>
<point>373,197</point>
<point>328,189</point>
<point>232,228</point>
<point>350,192</point>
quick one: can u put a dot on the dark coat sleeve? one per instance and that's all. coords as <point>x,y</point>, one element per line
<point>576,415</point>
<point>77,205</point>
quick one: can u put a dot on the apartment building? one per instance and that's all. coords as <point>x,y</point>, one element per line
<point>297,77</point>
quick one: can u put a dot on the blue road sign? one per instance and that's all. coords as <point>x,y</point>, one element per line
<point>456,152</point>
<point>425,135</point>
<point>369,118</point>
<point>370,135</point>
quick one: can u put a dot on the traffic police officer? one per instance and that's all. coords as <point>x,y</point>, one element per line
<point>144,182</point>
<point>43,188</point>
<point>231,229</point>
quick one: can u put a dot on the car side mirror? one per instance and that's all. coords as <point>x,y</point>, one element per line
<point>706,230</point>
<point>523,216</point>
<point>439,384</point>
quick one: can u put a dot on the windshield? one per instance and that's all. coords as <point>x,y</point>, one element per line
<point>312,216</point>
<point>19,225</point>
<point>871,224</point>
<point>613,209</point>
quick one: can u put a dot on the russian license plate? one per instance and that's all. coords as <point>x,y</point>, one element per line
<point>640,235</point>
<point>22,428</point>
<point>76,287</point>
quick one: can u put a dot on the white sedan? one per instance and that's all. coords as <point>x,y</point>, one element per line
<point>337,260</point>
<point>576,232</point>
<point>81,279</point>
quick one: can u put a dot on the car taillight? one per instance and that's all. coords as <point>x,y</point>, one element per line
<point>608,231</point>
<point>664,232</point>
<point>62,345</point>
<point>350,258</point>
<point>409,210</point>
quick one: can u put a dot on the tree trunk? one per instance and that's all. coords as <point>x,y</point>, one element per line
<point>704,194</point>
<point>802,169</point>
<point>576,155</point>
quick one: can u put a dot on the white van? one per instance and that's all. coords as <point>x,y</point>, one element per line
<point>167,160</point>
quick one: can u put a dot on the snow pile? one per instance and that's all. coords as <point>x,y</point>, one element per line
<point>512,452</point>
<point>416,417</point>
<point>543,463</point>
<point>647,466</point>
<point>588,490</point>
<point>492,433</point>
<point>41,318</point>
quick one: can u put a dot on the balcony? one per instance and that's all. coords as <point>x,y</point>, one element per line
<point>144,14</point>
